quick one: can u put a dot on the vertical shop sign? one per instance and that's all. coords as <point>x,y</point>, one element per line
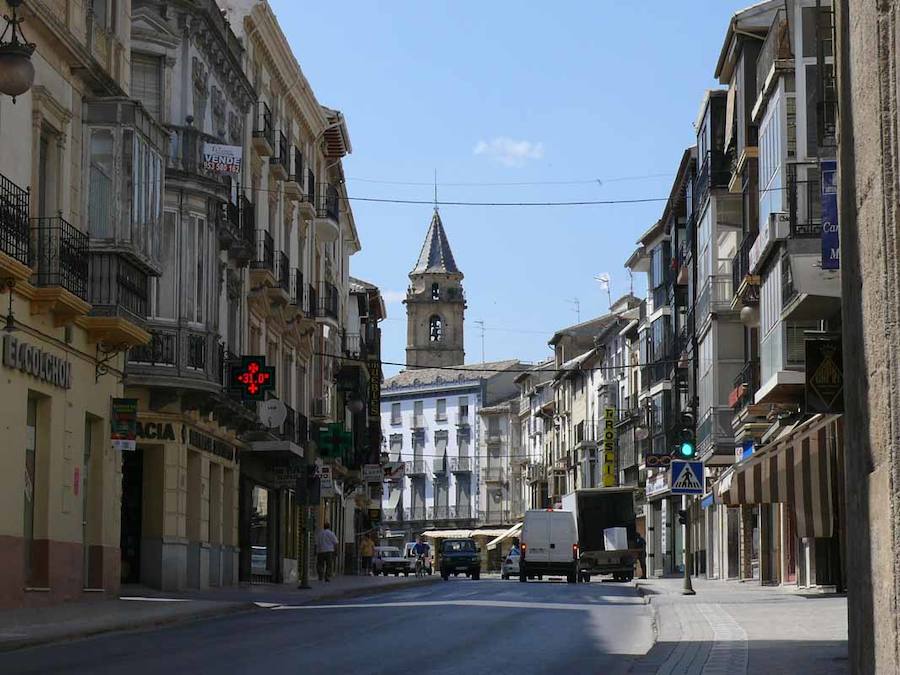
<point>123,423</point>
<point>609,447</point>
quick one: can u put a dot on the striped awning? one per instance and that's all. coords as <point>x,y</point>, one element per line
<point>794,469</point>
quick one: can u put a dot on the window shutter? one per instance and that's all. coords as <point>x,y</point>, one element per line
<point>146,86</point>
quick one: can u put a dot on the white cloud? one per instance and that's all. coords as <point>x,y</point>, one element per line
<point>508,151</point>
<point>393,297</point>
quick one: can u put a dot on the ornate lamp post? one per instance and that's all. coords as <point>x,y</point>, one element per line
<point>16,69</point>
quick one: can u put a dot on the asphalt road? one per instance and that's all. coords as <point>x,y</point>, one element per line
<point>458,626</point>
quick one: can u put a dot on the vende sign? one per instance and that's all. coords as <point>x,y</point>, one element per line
<point>222,159</point>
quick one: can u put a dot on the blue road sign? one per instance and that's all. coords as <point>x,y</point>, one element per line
<point>687,478</point>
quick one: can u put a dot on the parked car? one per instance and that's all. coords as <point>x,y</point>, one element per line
<point>549,545</point>
<point>429,563</point>
<point>389,560</point>
<point>460,555</point>
<point>510,566</point>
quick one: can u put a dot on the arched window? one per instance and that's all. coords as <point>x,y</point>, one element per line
<point>436,329</point>
<point>435,292</point>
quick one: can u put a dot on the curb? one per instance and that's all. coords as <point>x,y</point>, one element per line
<point>137,625</point>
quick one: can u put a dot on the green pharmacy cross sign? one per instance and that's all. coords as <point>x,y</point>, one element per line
<point>334,441</point>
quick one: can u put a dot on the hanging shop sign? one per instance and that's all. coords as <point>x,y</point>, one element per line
<point>251,378</point>
<point>609,447</point>
<point>123,424</point>
<point>224,160</point>
<point>35,361</point>
<point>824,376</point>
<point>831,232</point>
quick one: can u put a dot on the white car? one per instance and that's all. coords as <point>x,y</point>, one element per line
<point>510,566</point>
<point>549,545</point>
<point>389,560</point>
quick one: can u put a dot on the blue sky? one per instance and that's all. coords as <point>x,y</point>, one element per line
<point>503,92</point>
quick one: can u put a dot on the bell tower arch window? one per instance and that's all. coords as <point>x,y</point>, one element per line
<point>435,328</point>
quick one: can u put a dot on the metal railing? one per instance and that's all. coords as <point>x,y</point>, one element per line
<point>118,287</point>
<point>283,271</point>
<point>329,207</point>
<point>61,255</point>
<point>265,252</point>
<point>460,464</point>
<point>280,156</point>
<point>775,47</point>
<point>745,385</point>
<point>328,300</point>
<point>263,126</point>
<point>296,288</point>
<point>297,167</point>
<point>14,226</point>
<point>462,511</point>
<point>416,467</point>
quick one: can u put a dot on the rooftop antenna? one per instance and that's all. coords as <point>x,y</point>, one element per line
<point>604,281</point>
<point>480,324</point>
<point>576,306</point>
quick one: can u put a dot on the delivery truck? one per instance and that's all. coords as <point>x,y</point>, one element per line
<point>605,522</point>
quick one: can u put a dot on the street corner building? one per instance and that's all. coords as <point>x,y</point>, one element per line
<point>173,211</point>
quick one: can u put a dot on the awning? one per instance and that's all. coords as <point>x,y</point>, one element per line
<point>446,534</point>
<point>795,469</point>
<point>394,500</point>
<point>515,529</point>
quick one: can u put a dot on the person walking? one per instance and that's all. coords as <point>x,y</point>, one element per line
<point>326,542</point>
<point>366,551</point>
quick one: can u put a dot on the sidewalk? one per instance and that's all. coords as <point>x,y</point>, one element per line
<point>141,608</point>
<point>730,627</point>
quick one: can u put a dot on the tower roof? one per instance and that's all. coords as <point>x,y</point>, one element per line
<point>436,256</point>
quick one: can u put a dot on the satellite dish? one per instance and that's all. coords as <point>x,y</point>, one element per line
<point>272,412</point>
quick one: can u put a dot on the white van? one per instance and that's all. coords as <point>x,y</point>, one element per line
<point>549,545</point>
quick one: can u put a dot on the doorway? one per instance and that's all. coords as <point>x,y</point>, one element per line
<point>132,498</point>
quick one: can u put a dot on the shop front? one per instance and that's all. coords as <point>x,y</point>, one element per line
<point>179,503</point>
<point>788,495</point>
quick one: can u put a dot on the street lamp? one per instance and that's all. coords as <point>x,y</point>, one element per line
<point>16,68</point>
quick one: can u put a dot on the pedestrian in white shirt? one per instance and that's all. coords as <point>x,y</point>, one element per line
<point>325,545</point>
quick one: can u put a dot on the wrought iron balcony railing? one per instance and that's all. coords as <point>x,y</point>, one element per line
<point>61,255</point>
<point>15,240</point>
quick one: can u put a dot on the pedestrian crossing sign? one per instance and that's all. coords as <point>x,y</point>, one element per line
<point>687,478</point>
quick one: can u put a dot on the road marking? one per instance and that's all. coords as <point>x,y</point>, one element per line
<point>508,604</point>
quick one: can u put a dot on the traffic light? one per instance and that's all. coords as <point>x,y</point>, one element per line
<point>682,517</point>
<point>686,443</point>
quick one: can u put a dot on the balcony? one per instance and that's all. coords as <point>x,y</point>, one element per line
<point>293,188</point>
<point>307,205</point>
<point>415,513</point>
<point>745,284</point>
<point>177,357</point>
<point>280,293</point>
<point>263,131</point>
<point>439,513</point>
<point>327,301</point>
<point>462,511</point>
<point>460,464</point>
<point>188,159</point>
<point>416,467</point>
<point>280,161</point>
<point>775,54</point>
<point>62,267</point>
<point>15,238</point>
<point>493,474</point>
<point>328,215</point>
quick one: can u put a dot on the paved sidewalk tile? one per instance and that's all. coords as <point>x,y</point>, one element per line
<point>734,628</point>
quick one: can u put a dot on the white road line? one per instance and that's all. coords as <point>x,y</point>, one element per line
<point>508,604</point>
